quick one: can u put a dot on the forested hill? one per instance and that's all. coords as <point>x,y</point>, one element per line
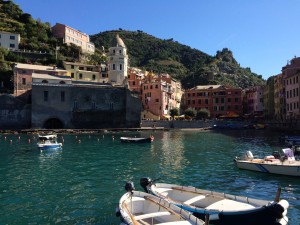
<point>191,66</point>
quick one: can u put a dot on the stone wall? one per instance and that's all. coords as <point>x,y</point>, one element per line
<point>14,113</point>
<point>85,107</point>
<point>177,124</point>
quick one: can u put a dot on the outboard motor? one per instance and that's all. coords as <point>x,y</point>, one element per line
<point>276,155</point>
<point>129,186</point>
<point>144,182</point>
<point>248,155</point>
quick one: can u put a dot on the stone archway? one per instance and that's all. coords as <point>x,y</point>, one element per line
<point>53,123</point>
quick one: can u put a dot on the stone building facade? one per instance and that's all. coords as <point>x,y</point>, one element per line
<point>61,103</point>
<point>14,112</point>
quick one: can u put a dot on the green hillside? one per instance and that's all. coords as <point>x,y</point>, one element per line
<point>191,66</point>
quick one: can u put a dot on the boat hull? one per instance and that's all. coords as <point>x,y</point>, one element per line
<point>260,216</point>
<point>135,140</point>
<point>49,147</point>
<point>223,209</point>
<point>292,169</point>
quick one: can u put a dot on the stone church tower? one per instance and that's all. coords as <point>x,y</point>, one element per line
<point>117,62</point>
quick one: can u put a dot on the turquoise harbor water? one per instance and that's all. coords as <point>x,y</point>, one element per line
<point>82,183</point>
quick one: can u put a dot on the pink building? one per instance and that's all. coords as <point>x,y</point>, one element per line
<point>70,35</point>
<point>159,94</point>
<point>254,100</point>
<point>291,76</point>
<point>23,76</point>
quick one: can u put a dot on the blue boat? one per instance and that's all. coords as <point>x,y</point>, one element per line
<point>47,142</point>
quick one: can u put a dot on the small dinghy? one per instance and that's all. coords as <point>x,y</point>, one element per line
<point>140,208</point>
<point>223,209</point>
<point>136,139</point>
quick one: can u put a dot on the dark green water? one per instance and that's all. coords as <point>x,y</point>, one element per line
<point>82,183</point>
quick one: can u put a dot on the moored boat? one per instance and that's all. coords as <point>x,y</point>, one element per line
<point>136,139</point>
<point>279,163</point>
<point>47,142</point>
<point>140,208</point>
<point>223,209</point>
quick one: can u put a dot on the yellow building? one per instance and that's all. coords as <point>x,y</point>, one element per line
<point>86,73</point>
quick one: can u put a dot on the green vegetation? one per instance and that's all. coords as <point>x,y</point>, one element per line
<point>202,114</point>
<point>174,112</point>
<point>190,113</point>
<point>191,66</point>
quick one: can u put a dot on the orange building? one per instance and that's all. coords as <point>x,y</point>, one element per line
<point>135,78</point>
<point>70,35</point>
<point>220,100</point>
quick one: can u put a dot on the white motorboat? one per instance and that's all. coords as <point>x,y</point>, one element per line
<point>283,164</point>
<point>47,142</point>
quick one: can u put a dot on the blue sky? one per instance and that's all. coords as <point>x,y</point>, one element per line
<point>262,34</point>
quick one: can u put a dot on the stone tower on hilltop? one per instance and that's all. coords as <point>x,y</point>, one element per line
<point>117,62</point>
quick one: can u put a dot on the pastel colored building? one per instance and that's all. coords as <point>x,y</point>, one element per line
<point>279,97</point>
<point>291,76</point>
<point>254,100</point>
<point>70,35</point>
<point>219,100</point>
<point>268,98</point>
<point>86,72</point>
<point>159,95</point>
<point>23,75</point>
<point>135,79</point>
<point>9,40</point>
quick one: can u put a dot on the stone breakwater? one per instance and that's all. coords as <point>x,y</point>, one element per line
<point>145,125</point>
<point>286,126</point>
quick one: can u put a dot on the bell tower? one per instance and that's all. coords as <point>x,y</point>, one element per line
<point>117,62</point>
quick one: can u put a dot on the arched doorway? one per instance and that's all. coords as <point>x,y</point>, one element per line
<point>53,123</point>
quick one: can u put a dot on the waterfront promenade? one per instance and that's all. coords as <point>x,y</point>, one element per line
<point>289,126</point>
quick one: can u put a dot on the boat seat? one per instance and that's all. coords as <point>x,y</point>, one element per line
<point>164,191</point>
<point>194,199</point>
<point>149,215</point>
<point>227,204</point>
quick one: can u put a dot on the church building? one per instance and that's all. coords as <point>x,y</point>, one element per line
<point>117,63</point>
